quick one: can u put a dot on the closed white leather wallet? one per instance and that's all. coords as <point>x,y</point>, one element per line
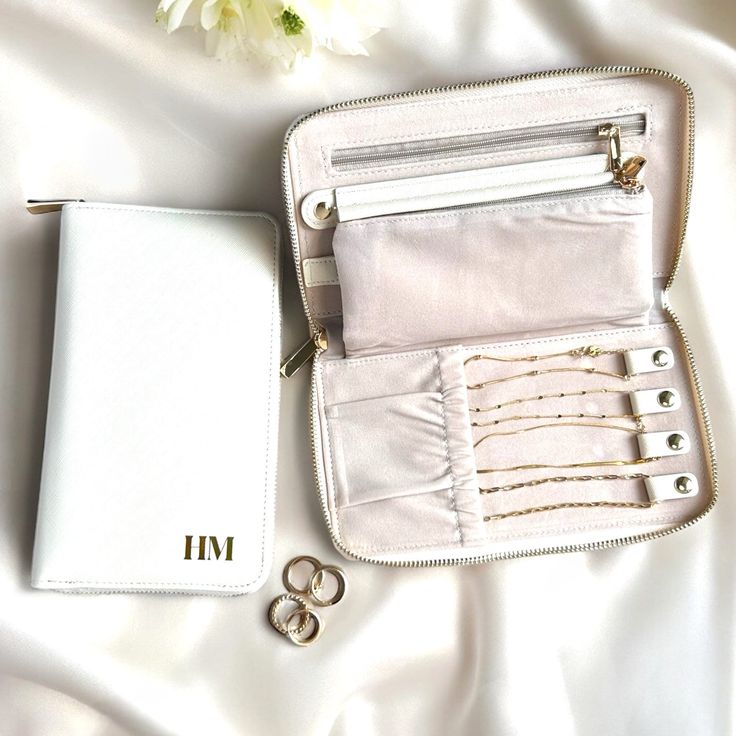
<point>159,465</point>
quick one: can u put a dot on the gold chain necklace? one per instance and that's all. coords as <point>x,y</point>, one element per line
<point>587,351</point>
<point>591,464</point>
<point>572,505</point>
<point>541,397</point>
<point>563,479</point>
<point>520,417</point>
<point>634,430</point>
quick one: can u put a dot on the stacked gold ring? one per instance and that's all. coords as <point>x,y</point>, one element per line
<point>298,620</point>
<point>317,580</point>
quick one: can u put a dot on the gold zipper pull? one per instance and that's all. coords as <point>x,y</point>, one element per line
<point>624,172</point>
<point>42,206</point>
<point>315,344</point>
<point>613,133</point>
<point>631,167</point>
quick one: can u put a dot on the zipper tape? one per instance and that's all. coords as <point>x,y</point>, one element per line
<point>579,131</point>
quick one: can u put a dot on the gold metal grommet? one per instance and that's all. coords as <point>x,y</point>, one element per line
<point>289,584</point>
<point>293,632</point>
<point>683,484</point>
<point>666,399</point>
<point>316,583</point>
<point>322,211</point>
<point>301,610</point>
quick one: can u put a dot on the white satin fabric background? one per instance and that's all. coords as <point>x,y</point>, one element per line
<point>98,102</point>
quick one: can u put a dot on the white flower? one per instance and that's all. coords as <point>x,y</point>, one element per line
<point>277,29</point>
<point>340,25</point>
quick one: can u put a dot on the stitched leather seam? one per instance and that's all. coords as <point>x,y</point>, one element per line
<point>351,362</point>
<point>482,101</point>
<point>474,174</point>
<point>612,523</point>
<point>604,524</point>
<point>453,477</point>
<point>320,390</point>
<point>482,210</point>
<point>307,262</point>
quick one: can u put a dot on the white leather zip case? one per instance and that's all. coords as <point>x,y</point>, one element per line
<point>159,465</point>
<point>485,269</point>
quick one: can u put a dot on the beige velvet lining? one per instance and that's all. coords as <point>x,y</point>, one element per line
<point>395,458</point>
<point>429,278</point>
<point>419,526</point>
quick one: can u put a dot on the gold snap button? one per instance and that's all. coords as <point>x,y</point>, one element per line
<point>676,442</point>
<point>322,210</point>
<point>661,358</point>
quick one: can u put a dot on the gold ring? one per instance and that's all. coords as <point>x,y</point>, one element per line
<point>293,631</point>
<point>289,585</point>
<point>302,610</point>
<point>316,581</point>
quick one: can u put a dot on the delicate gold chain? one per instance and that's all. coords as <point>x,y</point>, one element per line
<point>519,417</point>
<point>531,374</point>
<point>572,505</point>
<point>540,397</point>
<point>634,430</point>
<point>591,464</point>
<point>563,479</point>
<point>587,351</point>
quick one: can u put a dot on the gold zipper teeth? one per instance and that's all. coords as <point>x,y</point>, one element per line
<point>705,416</point>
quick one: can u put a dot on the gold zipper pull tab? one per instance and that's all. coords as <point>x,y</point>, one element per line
<point>624,172</point>
<point>42,206</point>
<point>613,133</point>
<point>315,344</point>
<point>631,167</point>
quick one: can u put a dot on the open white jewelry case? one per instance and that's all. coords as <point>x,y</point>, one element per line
<point>485,268</point>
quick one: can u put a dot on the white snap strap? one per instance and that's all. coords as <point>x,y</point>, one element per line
<point>663,444</point>
<point>671,487</point>
<point>655,401</point>
<point>648,360</point>
<point>318,209</point>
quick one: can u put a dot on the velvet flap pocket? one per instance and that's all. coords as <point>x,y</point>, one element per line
<point>511,267</point>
